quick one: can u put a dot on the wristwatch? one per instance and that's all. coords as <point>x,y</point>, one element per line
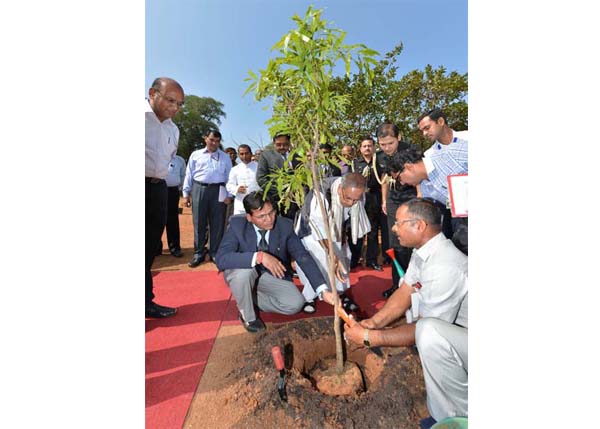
<point>366,338</point>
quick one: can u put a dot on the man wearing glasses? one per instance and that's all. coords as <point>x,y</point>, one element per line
<point>271,161</point>
<point>344,205</point>
<point>204,190</point>
<point>434,291</point>
<point>255,256</point>
<point>162,137</point>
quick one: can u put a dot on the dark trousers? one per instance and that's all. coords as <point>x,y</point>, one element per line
<point>207,213</point>
<point>460,235</point>
<point>456,229</point>
<point>173,219</point>
<point>355,249</point>
<point>378,220</point>
<point>156,218</point>
<point>402,253</point>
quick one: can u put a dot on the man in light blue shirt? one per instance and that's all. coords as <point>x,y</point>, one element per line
<point>204,190</point>
<point>431,174</point>
<point>174,181</point>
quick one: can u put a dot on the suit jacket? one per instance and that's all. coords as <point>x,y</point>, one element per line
<point>239,243</point>
<point>269,162</point>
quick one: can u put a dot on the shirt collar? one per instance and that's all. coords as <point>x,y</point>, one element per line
<point>426,250</point>
<point>257,230</point>
<point>149,110</point>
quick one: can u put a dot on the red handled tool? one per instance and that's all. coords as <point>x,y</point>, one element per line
<point>280,365</point>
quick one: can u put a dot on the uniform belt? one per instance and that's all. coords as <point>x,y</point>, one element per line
<point>209,184</point>
<point>154,180</point>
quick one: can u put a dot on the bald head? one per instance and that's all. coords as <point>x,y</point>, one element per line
<point>354,180</point>
<point>165,97</point>
<point>160,83</point>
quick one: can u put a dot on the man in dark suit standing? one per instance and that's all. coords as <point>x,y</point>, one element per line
<point>255,256</point>
<point>271,161</point>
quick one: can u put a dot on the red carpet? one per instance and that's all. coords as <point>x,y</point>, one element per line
<point>178,348</point>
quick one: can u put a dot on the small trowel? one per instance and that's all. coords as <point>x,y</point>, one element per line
<point>279,364</point>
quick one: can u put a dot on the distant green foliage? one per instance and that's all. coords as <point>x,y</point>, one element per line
<point>195,119</point>
<point>401,101</point>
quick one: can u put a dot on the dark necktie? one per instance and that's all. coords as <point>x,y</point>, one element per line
<point>262,244</point>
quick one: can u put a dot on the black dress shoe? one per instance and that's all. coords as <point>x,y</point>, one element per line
<point>375,266</point>
<point>348,304</point>
<point>254,326</point>
<point>388,292</point>
<point>159,311</point>
<point>198,259</point>
<point>309,307</point>
<point>177,253</point>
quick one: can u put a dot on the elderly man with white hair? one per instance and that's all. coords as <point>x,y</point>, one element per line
<point>344,204</point>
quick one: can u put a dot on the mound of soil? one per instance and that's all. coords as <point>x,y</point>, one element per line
<point>393,395</point>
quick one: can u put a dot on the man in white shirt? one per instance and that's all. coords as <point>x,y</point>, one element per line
<point>162,137</point>
<point>435,290</point>
<point>242,178</point>
<point>343,199</point>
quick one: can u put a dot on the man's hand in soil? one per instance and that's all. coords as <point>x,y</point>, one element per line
<point>274,265</point>
<point>188,201</point>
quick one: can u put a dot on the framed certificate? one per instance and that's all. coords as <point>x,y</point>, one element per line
<point>458,192</point>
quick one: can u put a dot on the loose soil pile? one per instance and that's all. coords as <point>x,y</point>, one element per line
<point>244,393</point>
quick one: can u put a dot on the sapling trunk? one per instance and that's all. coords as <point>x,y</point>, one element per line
<point>331,266</point>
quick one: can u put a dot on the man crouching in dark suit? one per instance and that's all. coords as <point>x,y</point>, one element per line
<point>255,255</point>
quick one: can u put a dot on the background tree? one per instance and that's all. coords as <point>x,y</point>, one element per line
<point>298,82</point>
<point>195,119</point>
<point>401,100</point>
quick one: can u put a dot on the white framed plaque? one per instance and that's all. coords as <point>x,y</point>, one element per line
<point>458,193</point>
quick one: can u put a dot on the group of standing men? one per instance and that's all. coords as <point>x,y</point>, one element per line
<point>377,192</point>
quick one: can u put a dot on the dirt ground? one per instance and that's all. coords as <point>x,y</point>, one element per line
<point>237,388</point>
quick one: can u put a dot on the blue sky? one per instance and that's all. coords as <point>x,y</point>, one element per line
<point>209,45</point>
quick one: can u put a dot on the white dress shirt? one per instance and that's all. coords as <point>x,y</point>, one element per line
<point>442,271</point>
<point>242,174</point>
<point>162,139</point>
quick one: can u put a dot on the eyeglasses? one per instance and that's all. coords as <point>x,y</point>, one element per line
<point>171,100</point>
<point>397,224</point>
<point>265,215</point>
<point>354,201</point>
